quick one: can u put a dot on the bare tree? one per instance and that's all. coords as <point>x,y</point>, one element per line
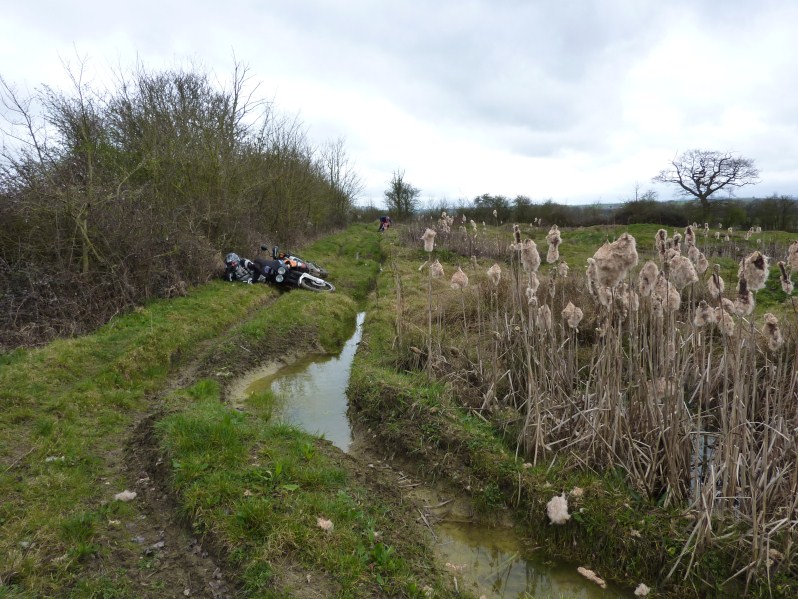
<point>401,197</point>
<point>700,173</point>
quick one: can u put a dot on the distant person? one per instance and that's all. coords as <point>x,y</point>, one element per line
<point>385,222</point>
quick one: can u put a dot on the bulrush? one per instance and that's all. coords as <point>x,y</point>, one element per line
<point>562,270</point>
<point>667,293</point>
<point>557,509</point>
<point>517,236</point>
<point>544,318</point>
<point>786,282</point>
<point>701,264</point>
<point>592,277</point>
<point>725,322</point>
<point>772,333</point>
<point>682,272</point>
<point>572,315</point>
<point>473,227</point>
<point>604,295</point>
<point>530,258</point>
<point>436,269</point>
<point>689,237</point>
<point>661,243</point>
<point>534,283</point>
<point>495,275</point>
<point>717,234</point>
<point>531,297</point>
<point>727,304</point>
<point>613,260</point>
<point>647,278</point>
<point>459,279</point>
<point>755,270</point>
<point>792,255</point>
<point>715,285</point>
<point>429,240</point>
<point>704,315</point>
<point>554,239</point>
<point>630,299</point>
<point>693,253</point>
<point>744,304</point>
<point>676,243</point>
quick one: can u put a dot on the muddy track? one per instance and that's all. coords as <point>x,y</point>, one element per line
<point>157,549</point>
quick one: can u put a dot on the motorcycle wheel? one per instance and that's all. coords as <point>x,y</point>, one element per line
<point>317,271</point>
<point>316,285</point>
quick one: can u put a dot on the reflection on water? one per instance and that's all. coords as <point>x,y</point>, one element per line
<point>488,562</point>
<point>311,393</point>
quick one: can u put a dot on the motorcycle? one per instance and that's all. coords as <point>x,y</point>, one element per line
<point>297,262</point>
<point>290,271</point>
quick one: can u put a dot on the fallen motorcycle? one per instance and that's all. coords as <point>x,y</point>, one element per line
<point>297,262</point>
<point>289,273</point>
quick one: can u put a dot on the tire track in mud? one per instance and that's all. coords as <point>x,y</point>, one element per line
<point>157,548</point>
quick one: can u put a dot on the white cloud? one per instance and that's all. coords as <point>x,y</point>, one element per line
<point>575,101</point>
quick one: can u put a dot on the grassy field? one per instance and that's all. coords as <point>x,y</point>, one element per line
<point>472,383</point>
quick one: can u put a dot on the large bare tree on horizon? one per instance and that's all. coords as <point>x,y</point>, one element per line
<point>701,173</point>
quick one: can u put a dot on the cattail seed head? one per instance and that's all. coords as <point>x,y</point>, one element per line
<point>534,283</point>
<point>613,260</point>
<point>429,240</point>
<point>786,282</point>
<point>552,255</point>
<point>755,270</point>
<point>604,295</point>
<point>693,253</point>
<point>530,295</point>
<point>647,278</point>
<point>792,255</point>
<point>592,277</point>
<point>704,315</point>
<point>682,272</point>
<point>715,285</point>
<point>701,264</point>
<point>494,275</point>
<point>436,269</point>
<point>572,315</point>
<point>530,258</point>
<point>553,237</point>
<point>459,279</point>
<point>474,262</point>
<point>661,242</point>
<point>689,236</point>
<point>744,304</point>
<point>544,318</point>
<point>772,333</point>
<point>667,293</point>
<point>517,235</point>
<point>724,321</point>
<point>562,270</point>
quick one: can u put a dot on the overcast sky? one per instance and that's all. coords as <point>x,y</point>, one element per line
<point>573,100</point>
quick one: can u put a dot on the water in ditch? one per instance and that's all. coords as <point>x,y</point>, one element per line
<point>310,393</point>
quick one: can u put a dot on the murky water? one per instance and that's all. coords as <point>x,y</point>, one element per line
<point>493,562</point>
<point>311,394</point>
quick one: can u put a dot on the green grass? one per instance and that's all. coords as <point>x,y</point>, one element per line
<point>260,489</point>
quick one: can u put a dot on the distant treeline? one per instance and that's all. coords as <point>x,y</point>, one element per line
<point>111,197</point>
<point>772,213</point>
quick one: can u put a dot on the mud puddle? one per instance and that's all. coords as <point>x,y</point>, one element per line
<point>310,392</point>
